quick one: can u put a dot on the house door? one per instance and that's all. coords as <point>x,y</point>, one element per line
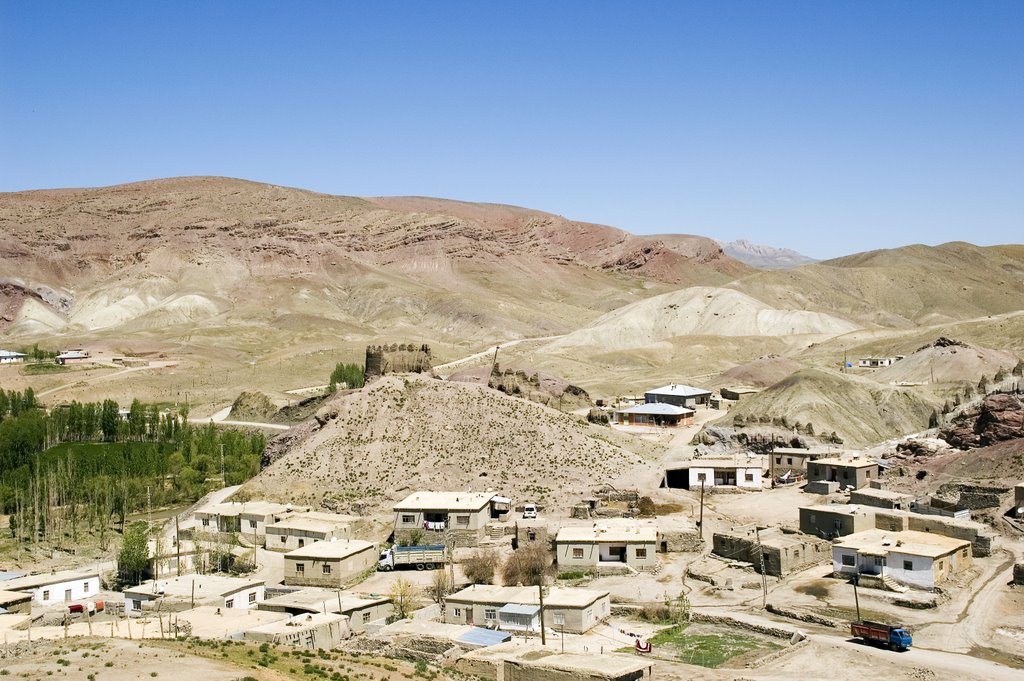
<point>469,615</point>
<point>67,595</point>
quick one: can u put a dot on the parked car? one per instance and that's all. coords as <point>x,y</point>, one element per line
<point>529,511</point>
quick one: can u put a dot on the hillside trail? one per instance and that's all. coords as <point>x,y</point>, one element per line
<point>221,418</point>
<point>94,379</point>
<point>491,350</point>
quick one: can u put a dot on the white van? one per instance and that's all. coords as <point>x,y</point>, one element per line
<point>529,511</point>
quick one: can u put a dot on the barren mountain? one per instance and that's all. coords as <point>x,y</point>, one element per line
<point>765,257</point>
<point>947,361</point>
<point>400,434</point>
<point>173,252</point>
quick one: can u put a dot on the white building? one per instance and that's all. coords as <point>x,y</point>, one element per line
<point>921,559</point>
<point>693,474</point>
<point>10,357</point>
<point>57,587</point>
<point>680,395</point>
<point>213,590</point>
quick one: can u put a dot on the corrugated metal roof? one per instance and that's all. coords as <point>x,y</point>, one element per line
<point>484,637</point>
<point>657,409</point>
<point>678,390</point>
<point>519,609</point>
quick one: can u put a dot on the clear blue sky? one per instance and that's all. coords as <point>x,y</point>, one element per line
<point>829,127</point>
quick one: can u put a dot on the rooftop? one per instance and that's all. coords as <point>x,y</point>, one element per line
<point>882,494</point>
<point>312,521</point>
<point>318,600</point>
<point>209,621</point>
<point>341,548</point>
<point>678,390</point>
<point>206,586</point>
<point>844,509</point>
<point>298,623</point>
<point>611,530</point>
<point>852,462</point>
<point>658,409</point>
<point>799,451</point>
<point>9,353</point>
<point>233,508</point>
<point>745,462</point>
<point>47,578</point>
<point>592,665</point>
<point>881,542</point>
<point>12,597</point>
<point>555,597</point>
<point>447,501</point>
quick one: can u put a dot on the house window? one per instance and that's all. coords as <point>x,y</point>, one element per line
<point>252,597</point>
<point>701,477</point>
<point>867,473</point>
<point>46,595</point>
<point>796,553</point>
<point>300,568</point>
<point>845,475</point>
<point>327,569</point>
<point>229,603</point>
<point>283,539</point>
<point>908,565</point>
<point>85,587</point>
<point>302,542</point>
<point>252,523</point>
<point>789,460</point>
<point>848,560</point>
<point>462,520</point>
<point>457,612</point>
<point>964,553</point>
<point>778,461</point>
<point>366,617</point>
<point>641,553</point>
<point>532,536</point>
<point>206,522</point>
<point>490,613</point>
<point>560,618</point>
<point>136,604</point>
<point>577,553</point>
<point>408,519</point>
<point>749,477</point>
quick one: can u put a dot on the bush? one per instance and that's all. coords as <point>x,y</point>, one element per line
<point>480,567</point>
<point>529,566</point>
<point>646,507</point>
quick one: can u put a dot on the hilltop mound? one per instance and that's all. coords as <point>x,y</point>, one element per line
<point>947,361</point>
<point>859,410</point>
<point>252,406</point>
<point>402,434</point>
<point>761,372</point>
<point>699,310</point>
<point>538,386</point>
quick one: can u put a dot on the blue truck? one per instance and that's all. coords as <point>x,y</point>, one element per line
<point>892,636</point>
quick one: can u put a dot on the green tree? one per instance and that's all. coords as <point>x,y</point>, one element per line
<point>134,553</point>
<point>352,375</point>
<point>109,418</point>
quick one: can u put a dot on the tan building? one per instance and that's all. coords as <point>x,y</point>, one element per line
<point>654,414</point>
<point>329,564</point>
<point>835,520</point>
<point>361,609</point>
<point>299,529</point>
<point>249,518</point>
<point>181,593</point>
<point>920,559</point>
<point>795,459</point>
<point>881,498</point>
<point>427,516</point>
<point>608,544</point>
<point>853,472</point>
<point>16,602</point>
<point>517,608</point>
<point>311,630</point>
<point>781,553</point>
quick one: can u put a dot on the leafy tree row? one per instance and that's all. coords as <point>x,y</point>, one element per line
<point>352,375</point>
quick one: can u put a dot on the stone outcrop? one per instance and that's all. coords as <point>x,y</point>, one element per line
<point>1000,417</point>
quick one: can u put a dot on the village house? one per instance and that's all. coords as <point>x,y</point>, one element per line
<point>427,516</point>
<point>73,357</point>
<point>242,517</point>
<point>323,631</point>
<point>15,602</point>
<point>519,661</point>
<point>919,559</point>
<point>182,593</point>
<point>679,395</point>
<point>297,530</point>
<point>881,498</point>
<point>829,475</point>
<point>607,544</point>
<point>782,552</point>
<point>655,414</point>
<point>876,362</point>
<point>51,588</point>
<point>329,564</point>
<point>743,473</point>
<point>517,608</point>
<point>835,520</point>
<point>795,459</point>
<point>11,357</point>
<point>361,609</point>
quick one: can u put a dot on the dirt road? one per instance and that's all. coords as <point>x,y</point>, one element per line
<point>491,350</point>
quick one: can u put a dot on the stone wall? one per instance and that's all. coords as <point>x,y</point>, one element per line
<point>680,541</point>
<point>973,496</point>
<point>1018,573</point>
<point>980,536</point>
<point>783,554</point>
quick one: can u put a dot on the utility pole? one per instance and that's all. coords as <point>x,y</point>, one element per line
<point>223,476</point>
<point>177,544</point>
<point>764,578</point>
<point>856,598</point>
<point>540,592</point>
<point>700,523</point>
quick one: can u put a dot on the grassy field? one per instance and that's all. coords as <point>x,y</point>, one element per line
<point>44,369</point>
<point>710,647</point>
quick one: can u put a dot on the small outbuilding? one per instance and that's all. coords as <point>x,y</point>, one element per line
<point>835,520</point>
<point>841,473</point>
<point>297,530</point>
<point>15,602</point>
<point>11,357</point>
<point>361,609</point>
<point>881,498</point>
<point>696,473</point>
<point>51,588</point>
<point>311,631</point>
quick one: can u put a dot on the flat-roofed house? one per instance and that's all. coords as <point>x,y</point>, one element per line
<point>361,609</point>
<point>323,631</point>
<point>15,602</point>
<point>245,517</point>
<point>50,588</point>
<point>517,608</point>
<point>73,357</point>
<point>881,498</point>
<point>329,564</point>
<point>744,473</point>
<point>179,593</point>
<point>656,414</point>
<point>679,395</point>
<point>299,529</point>
<point>920,559</point>
<point>608,544</point>
<point>842,473</point>
<point>428,516</point>
<point>796,459</point>
<point>835,520</point>
<point>875,362</point>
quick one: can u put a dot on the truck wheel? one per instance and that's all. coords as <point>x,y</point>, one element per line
<point>387,568</point>
<point>430,566</point>
<point>419,566</point>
